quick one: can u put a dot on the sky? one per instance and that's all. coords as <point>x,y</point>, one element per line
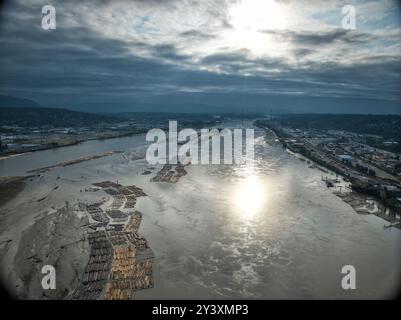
<point>204,56</point>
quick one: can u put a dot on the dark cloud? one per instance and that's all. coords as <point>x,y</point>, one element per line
<point>169,52</point>
<point>322,38</point>
<point>218,58</point>
<point>196,34</point>
<point>302,52</point>
<point>77,67</point>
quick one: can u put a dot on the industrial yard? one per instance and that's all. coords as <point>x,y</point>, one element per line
<point>373,173</point>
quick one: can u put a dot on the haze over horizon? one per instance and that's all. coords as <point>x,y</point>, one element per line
<point>186,56</point>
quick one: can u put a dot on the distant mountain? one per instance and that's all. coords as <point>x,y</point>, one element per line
<point>13,102</point>
<point>38,117</point>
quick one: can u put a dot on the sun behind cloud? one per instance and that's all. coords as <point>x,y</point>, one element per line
<point>254,15</point>
<point>249,18</point>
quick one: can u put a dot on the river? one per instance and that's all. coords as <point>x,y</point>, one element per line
<point>270,230</point>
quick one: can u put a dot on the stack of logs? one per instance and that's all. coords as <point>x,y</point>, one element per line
<point>170,174</point>
<point>115,270</point>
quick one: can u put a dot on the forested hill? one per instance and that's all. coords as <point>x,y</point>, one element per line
<point>38,117</point>
<point>13,102</point>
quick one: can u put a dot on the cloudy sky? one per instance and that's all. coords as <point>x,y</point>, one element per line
<point>182,55</point>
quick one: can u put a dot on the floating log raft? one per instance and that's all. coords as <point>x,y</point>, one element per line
<point>169,173</point>
<point>116,214</point>
<point>137,240</point>
<point>130,202</point>
<point>118,201</point>
<point>120,259</point>
<point>106,184</point>
<point>115,227</point>
<point>138,192</point>
<point>133,222</point>
<point>97,213</point>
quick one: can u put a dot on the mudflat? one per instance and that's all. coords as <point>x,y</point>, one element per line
<point>10,187</point>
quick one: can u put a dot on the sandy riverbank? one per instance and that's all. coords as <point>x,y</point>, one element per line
<point>34,233</point>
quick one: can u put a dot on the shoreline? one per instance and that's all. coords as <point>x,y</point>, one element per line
<point>74,161</point>
<point>11,154</point>
<point>358,201</point>
<point>363,204</point>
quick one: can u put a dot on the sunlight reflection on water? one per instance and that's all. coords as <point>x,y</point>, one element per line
<point>250,196</point>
